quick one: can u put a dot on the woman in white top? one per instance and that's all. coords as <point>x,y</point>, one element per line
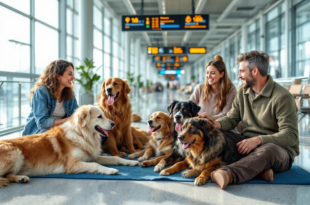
<point>52,98</point>
<point>216,95</point>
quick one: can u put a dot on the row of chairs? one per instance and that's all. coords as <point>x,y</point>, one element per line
<point>300,92</point>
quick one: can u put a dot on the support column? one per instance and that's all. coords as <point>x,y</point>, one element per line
<point>87,29</point>
<point>137,57</point>
<point>287,41</point>
<point>262,31</point>
<point>62,27</point>
<point>244,39</point>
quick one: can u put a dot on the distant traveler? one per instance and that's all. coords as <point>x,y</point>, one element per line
<point>52,98</point>
<point>216,95</point>
<point>269,141</point>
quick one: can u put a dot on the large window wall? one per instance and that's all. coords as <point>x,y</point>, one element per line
<point>35,32</point>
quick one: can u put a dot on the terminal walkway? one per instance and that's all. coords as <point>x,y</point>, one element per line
<point>78,191</point>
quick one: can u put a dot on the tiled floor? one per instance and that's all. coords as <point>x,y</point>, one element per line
<point>69,191</point>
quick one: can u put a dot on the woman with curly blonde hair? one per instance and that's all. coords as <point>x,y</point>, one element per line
<point>52,98</point>
<point>216,95</point>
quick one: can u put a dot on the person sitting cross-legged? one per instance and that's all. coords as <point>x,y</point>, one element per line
<point>269,141</point>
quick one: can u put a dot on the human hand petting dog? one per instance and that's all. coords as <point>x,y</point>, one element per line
<point>247,145</point>
<point>206,115</point>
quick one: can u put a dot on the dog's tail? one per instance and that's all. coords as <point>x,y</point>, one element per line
<point>135,117</point>
<point>4,182</point>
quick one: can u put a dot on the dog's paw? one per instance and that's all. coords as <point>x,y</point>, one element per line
<point>141,159</point>
<point>131,156</point>
<point>158,167</point>
<point>121,154</point>
<point>23,180</point>
<point>188,174</point>
<point>133,163</point>
<point>164,173</point>
<point>146,164</point>
<point>112,171</point>
<point>200,181</point>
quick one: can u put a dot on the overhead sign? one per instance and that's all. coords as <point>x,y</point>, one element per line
<point>169,68</point>
<point>164,65</point>
<point>171,72</point>
<point>165,22</point>
<point>176,50</point>
<point>170,59</point>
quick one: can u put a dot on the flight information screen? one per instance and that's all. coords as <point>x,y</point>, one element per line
<point>176,50</point>
<point>164,65</point>
<point>165,22</point>
<point>171,72</point>
<point>170,59</point>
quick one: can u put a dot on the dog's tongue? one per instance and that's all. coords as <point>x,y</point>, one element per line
<point>151,129</point>
<point>178,126</point>
<point>105,132</point>
<point>111,100</point>
<point>185,146</point>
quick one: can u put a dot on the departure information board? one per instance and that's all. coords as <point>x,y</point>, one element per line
<point>163,65</point>
<point>170,59</point>
<point>176,50</point>
<point>165,22</point>
<point>171,72</point>
<point>169,68</point>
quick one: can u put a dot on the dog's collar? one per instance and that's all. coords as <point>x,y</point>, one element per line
<point>165,137</point>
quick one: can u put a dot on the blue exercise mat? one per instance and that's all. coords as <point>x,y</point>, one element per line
<point>296,175</point>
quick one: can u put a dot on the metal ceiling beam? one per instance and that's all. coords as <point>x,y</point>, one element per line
<point>132,11</point>
<point>227,10</point>
<point>199,7</point>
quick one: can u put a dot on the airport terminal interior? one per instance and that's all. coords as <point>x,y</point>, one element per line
<point>162,62</point>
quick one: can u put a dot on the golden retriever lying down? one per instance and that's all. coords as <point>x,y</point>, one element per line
<point>73,147</point>
<point>161,144</point>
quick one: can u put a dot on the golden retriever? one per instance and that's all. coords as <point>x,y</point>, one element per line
<point>113,100</point>
<point>161,143</point>
<point>73,147</point>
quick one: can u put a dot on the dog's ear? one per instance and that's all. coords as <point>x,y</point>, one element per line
<point>84,117</point>
<point>102,92</point>
<point>126,88</point>
<point>207,126</point>
<point>171,106</point>
<point>195,108</point>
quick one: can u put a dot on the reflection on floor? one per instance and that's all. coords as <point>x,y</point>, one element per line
<point>72,191</point>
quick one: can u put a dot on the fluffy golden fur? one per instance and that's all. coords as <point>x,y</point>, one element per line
<point>73,147</point>
<point>113,100</point>
<point>206,149</point>
<point>161,143</point>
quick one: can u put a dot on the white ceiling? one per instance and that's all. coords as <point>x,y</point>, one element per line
<point>226,16</point>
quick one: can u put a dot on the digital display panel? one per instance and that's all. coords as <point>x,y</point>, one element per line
<point>164,65</point>
<point>176,50</point>
<point>171,72</point>
<point>170,59</point>
<point>165,22</point>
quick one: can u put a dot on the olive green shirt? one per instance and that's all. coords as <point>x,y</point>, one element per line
<point>272,116</point>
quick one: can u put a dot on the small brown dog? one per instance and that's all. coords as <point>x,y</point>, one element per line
<point>161,143</point>
<point>113,100</point>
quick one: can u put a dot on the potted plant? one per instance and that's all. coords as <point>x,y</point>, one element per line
<point>139,84</point>
<point>130,80</point>
<point>88,78</point>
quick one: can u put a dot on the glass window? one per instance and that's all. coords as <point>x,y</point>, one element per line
<point>22,5</point>
<point>97,39</point>
<point>115,33</point>
<point>70,3</point>
<point>115,67</point>
<point>98,62</point>
<point>303,39</point>
<point>107,42</point>
<point>47,11</point>
<point>14,41</point>
<point>45,47</point>
<point>69,48</point>
<point>97,18</point>
<point>107,26</point>
<point>115,49</point>
<point>69,22</point>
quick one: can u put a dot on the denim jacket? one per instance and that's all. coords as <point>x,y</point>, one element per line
<point>42,107</point>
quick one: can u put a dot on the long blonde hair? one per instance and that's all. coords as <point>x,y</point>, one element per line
<point>224,86</point>
<point>49,79</point>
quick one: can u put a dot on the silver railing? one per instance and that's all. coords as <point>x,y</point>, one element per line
<point>10,125</point>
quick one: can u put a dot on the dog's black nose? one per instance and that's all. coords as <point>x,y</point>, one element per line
<point>112,124</point>
<point>181,137</point>
<point>109,90</point>
<point>177,117</point>
<point>150,122</point>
